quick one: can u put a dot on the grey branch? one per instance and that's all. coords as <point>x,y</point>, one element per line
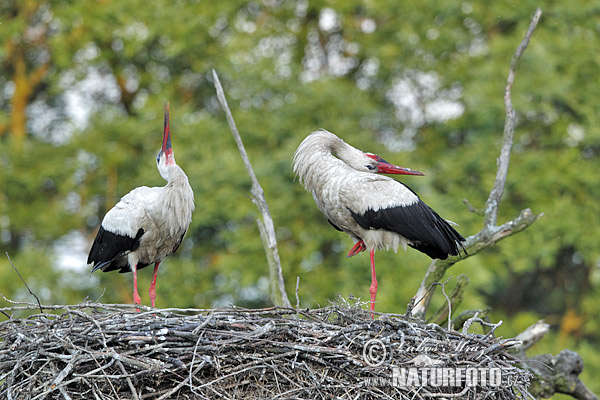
<point>551,374</point>
<point>529,337</point>
<point>455,298</point>
<point>490,233</point>
<point>491,207</point>
<point>558,374</point>
<point>265,226</point>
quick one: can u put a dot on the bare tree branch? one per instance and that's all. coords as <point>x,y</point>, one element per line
<point>265,226</point>
<point>558,374</point>
<point>490,233</point>
<point>529,337</point>
<point>552,374</point>
<point>491,207</point>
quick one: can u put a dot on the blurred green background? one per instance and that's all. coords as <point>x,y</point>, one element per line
<point>82,87</point>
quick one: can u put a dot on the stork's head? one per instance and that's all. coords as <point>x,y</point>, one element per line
<point>165,157</point>
<point>380,166</point>
<point>365,162</point>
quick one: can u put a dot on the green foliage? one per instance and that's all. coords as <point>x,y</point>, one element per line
<point>95,121</point>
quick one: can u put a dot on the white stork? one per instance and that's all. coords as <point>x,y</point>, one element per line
<point>148,223</point>
<point>377,212</point>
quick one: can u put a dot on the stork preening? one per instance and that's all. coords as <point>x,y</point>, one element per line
<point>378,212</point>
<point>148,223</point>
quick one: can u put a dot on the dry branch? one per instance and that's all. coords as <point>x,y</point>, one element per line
<point>559,374</point>
<point>490,233</point>
<point>265,226</point>
<point>491,207</point>
<point>552,374</point>
<point>102,351</point>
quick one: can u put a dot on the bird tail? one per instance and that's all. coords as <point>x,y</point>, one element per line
<point>101,265</point>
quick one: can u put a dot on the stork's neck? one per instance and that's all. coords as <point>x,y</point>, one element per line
<point>177,199</point>
<point>178,185</point>
<point>176,175</point>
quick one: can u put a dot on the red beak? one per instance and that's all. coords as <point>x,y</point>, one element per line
<point>384,167</point>
<point>166,142</point>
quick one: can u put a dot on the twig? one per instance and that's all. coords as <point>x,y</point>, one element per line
<point>196,331</point>
<point>266,226</point>
<point>456,298</point>
<point>297,300</point>
<point>128,379</point>
<point>473,209</point>
<point>464,316</point>
<point>468,323</point>
<point>413,302</point>
<point>25,283</point>
<point>474,318</point>
<point>443,285</point>
<point>490,233</point>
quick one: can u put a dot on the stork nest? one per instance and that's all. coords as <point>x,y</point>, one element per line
<point>100,351</point>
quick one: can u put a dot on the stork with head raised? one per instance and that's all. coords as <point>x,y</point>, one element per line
<point>148,223</point>
<point>378,212</point>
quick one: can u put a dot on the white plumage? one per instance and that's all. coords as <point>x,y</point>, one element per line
<point>148,223</point>
<point>377,212</point>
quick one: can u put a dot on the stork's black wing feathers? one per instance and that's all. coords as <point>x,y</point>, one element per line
<point>109,250</point>
<point>424,228</point>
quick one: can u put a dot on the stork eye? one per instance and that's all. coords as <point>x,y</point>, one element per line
<point>371,167</point>
<point>158,157</point>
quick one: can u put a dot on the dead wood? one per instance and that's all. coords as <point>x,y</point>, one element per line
<point>99,351</point>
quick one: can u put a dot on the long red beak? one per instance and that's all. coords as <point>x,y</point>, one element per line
<point>166,142</point>
<point>385,167</point>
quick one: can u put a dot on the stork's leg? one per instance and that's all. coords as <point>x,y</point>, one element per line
<point>373,288</point>
<point>357,248</point>
<point>152,290</point>
<point>136,297</point>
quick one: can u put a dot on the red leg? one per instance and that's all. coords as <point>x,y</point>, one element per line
<point>373,288</point>
<point>136,297</point>
<point>357,248</point>
<point>152,290</point>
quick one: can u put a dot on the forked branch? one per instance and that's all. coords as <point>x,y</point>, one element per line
<point>491,232</point>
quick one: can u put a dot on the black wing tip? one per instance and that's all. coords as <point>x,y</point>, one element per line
<point>438,252</point>
<point>107,266</point>
<point>97,266</point>
<point>453,239</point>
